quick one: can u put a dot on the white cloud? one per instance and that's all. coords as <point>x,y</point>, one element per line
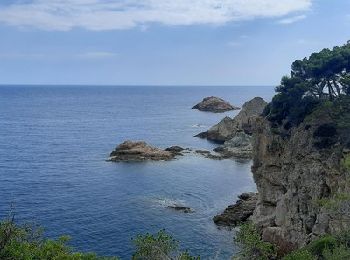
<point>64,15</point>
<point>293,19</point>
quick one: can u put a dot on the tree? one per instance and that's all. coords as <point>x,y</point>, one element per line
<point>323,76</point>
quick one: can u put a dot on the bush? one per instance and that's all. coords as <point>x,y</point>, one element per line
<point>27,242</point>
<point>251,244</point>
<point>300,255</point>
<point>158,247</point>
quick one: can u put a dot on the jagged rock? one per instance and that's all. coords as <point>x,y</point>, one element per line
<point>220,132</point>
<point>214,104</point>
<point>181,208</point>
<point>294,174</point>
<point>240,146</point>
<point>239,212</point>
<point>130,151</point>
<point>227,128</point>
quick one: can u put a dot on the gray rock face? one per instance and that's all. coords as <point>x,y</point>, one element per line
<point>296,179</point>
<point>130,151</point>
<point>240,146</point>
<point>214,104</point>
<point>239,212</point>
<point>227,128</point>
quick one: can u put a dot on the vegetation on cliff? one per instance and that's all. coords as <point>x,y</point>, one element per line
<point>324,76</point>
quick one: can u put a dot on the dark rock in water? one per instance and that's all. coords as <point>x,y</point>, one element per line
<point>130,151</point>
<point>205,152</point>
<point>214,104</point>
<point>176,150</point>
<point>181,208</point>
<point>239,212</point>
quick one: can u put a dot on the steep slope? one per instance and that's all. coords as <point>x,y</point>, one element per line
<point>303,176</point>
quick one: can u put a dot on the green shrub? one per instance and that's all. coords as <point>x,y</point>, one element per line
<point>251,244</point>
<point>340,252</point>
<point>318,246</point>
<point>26,242</point>
<point>158,247</point>
<point>300,255</point>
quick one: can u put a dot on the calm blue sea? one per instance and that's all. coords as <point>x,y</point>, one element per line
<point>53,144</point>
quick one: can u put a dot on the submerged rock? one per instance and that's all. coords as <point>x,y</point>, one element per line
<point>239,212</point>
<point>130,151</point>
<point>214,104</point>
<point>181,208</point>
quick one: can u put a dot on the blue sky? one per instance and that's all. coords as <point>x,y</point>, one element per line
<point>163,42</point>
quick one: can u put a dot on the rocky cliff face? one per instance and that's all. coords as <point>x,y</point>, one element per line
<point>303,178</point>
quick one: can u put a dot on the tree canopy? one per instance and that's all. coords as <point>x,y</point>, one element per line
<point>323,76</point>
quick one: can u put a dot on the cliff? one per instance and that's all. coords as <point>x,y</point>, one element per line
<point>303,176</point>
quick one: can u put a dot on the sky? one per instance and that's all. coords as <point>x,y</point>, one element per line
<point>164,42</point>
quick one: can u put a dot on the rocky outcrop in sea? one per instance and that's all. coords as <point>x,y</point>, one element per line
<point>238,213</point>
<point>130,151</point>
<point>215,105</point>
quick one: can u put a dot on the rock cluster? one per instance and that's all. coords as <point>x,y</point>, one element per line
<point>130,151</point>
<point>214,104</point>
<point>227,128</point>
<point>239,212</point>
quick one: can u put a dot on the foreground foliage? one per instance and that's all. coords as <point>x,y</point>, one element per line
<point>252,246</point>
<point>159,247</point>
<point>327,247</point>
<point>26,242</point>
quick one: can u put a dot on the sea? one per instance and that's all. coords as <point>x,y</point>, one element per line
<point>54,142</point>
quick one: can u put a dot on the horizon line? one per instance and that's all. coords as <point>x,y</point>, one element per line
<point>133,85</point>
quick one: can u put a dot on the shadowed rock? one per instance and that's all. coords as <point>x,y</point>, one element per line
<point>239,212</point>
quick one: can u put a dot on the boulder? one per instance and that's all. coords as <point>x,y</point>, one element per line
<point>214,104</point>
<point>239,212</point>
<point>130,151</point>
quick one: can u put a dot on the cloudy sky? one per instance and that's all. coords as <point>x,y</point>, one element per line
<point>163,42</point>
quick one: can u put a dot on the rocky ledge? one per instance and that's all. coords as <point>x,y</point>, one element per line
<point>239,212</point>
<point>215,105</point>
<point>131,151</point>
<point>240,146</point>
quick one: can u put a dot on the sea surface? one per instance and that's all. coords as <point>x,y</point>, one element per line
<point>54,141</point>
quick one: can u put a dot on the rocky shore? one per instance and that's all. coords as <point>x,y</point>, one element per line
<point>239,212</point>
<point>215,105</point>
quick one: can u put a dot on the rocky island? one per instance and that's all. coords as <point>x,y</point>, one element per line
<point>215,105</point>
<point>139,151</point>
